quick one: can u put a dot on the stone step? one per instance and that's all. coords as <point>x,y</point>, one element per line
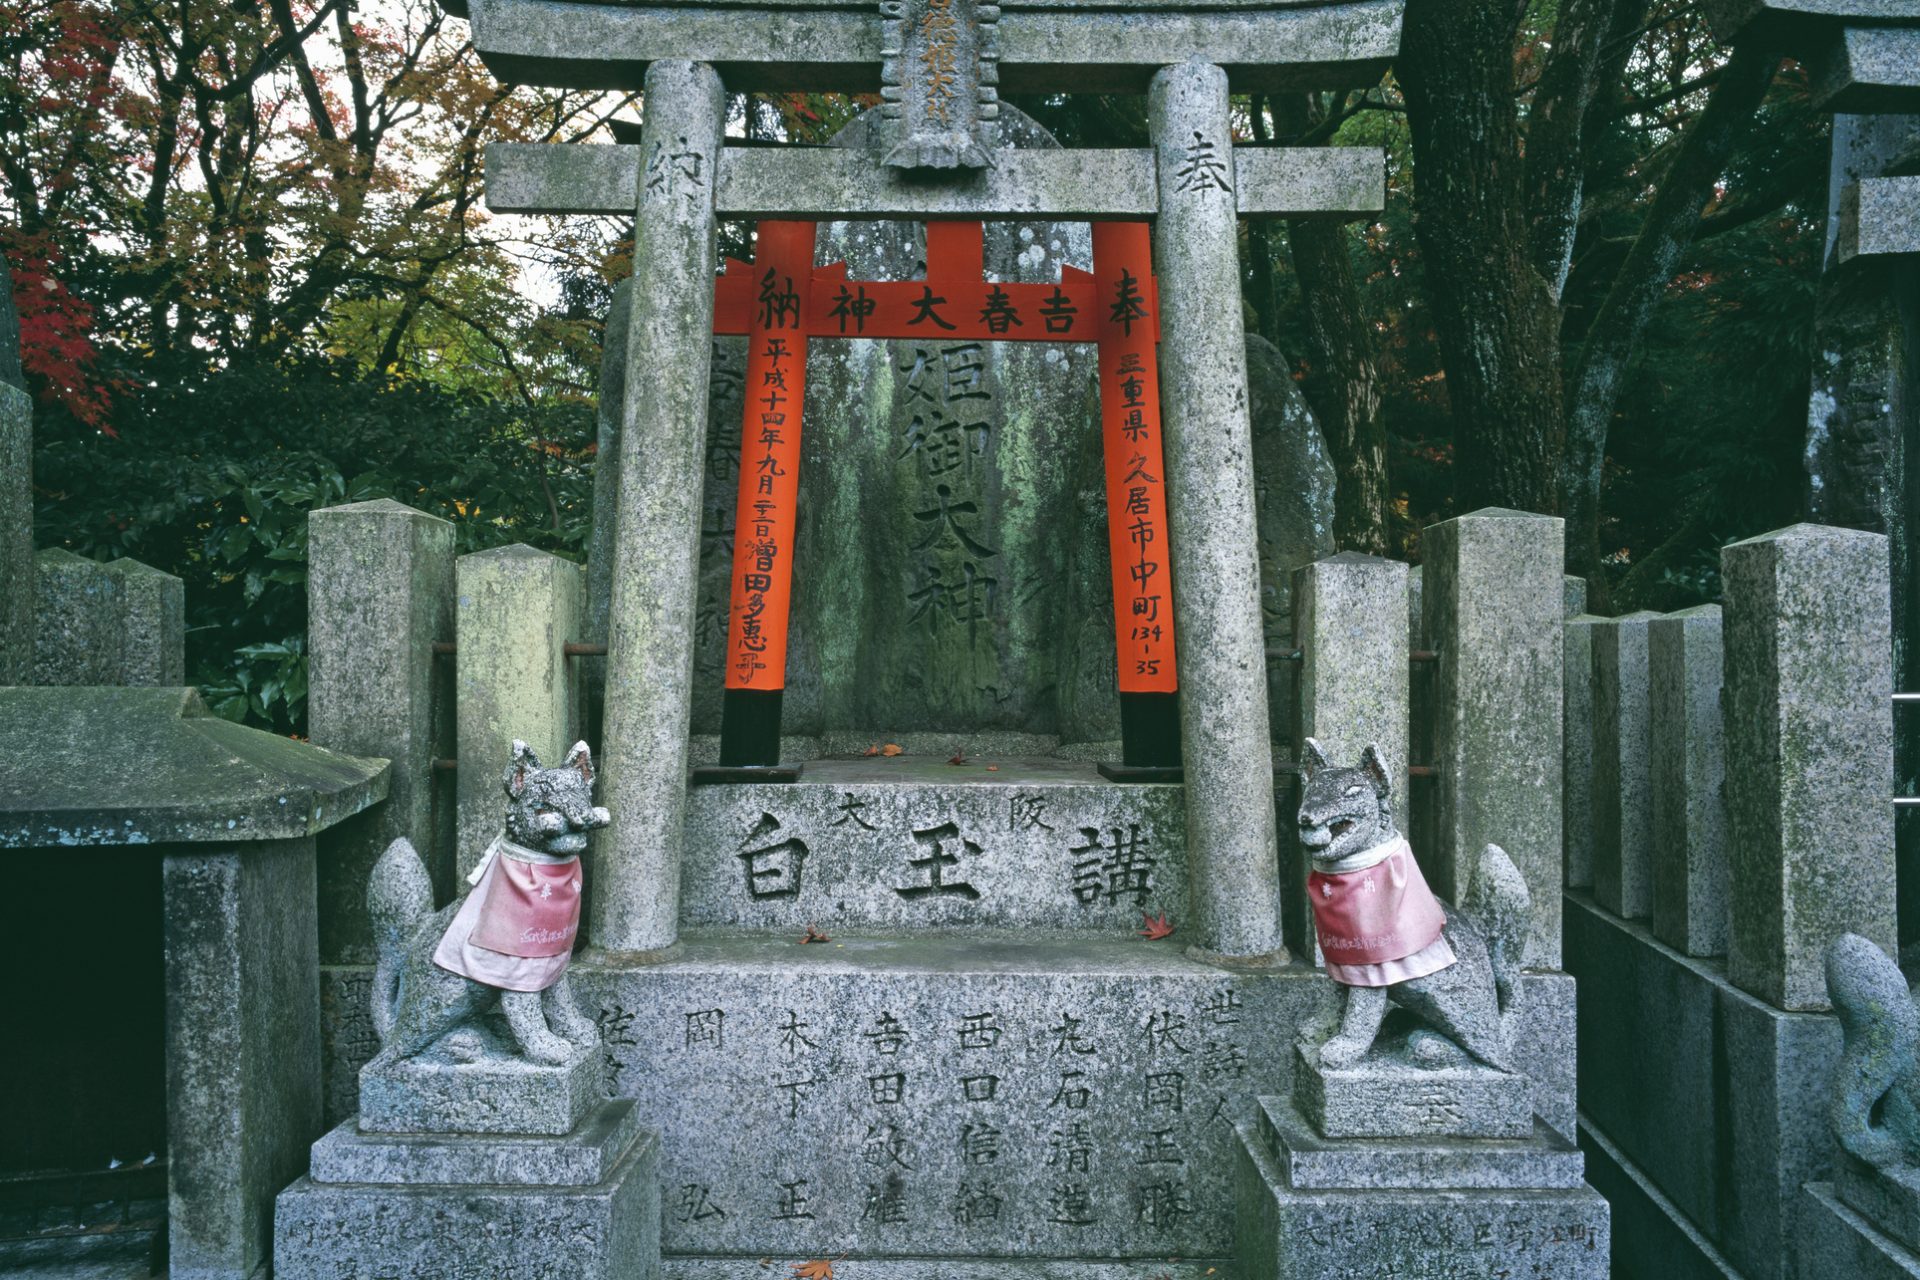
<point>672,1268</point>
<point>910,843</point>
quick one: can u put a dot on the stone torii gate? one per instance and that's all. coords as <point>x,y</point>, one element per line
<point>939,65</point>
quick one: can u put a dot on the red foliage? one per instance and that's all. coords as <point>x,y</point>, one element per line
<point>56,343</point>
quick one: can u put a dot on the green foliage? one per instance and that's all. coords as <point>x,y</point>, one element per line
<point>213,479</point>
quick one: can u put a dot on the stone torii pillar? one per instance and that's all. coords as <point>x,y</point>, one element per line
<point>1193,183</point>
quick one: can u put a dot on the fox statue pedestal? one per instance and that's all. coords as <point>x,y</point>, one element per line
<point>1410,1145</point>
<point>485,1145</point>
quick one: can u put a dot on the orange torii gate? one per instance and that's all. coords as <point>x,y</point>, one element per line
<point>782,300</point>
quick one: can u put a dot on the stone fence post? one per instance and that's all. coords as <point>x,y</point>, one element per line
<point>1493,604</point>
<point>1350,621</point>
<point>1809,739</point>
<point>379,594</point>
<point>515,609</point>
<point>1576,720</point>
<point>118,623</point>
<point>1622,782</point>
<point>1689,766</point>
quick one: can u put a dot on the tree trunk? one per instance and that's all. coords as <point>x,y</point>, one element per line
<point>1494,314</point>
<point>1342,385</point>
<point>1594,390</point>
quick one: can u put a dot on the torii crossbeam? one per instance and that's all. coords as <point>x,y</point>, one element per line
<point>939,65</point>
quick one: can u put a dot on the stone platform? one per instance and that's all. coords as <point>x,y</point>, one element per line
<point>1344,1209</point>
<point>1836,1240</point>
<point>1390,1096</point>
<point>913,842</point>
<point>521,1208</point>
<point>501,1094</point>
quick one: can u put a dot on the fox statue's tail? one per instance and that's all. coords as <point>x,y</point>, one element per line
<point>1500,905</point>
<point>1880,1042</point>
<point>399,897</point>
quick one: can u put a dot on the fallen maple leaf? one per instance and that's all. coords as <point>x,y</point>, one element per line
<point>816,1269</point>
<point>891,749</point>
<point>871,751</point>
<point>957,758</point>
<point>814,935</point>
<point>1157,927</point>
<point>993,768</point>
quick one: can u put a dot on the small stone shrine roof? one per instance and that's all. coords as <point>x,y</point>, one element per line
<point>110,766</point>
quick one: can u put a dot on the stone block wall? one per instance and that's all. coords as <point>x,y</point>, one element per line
<point>118,623</point>
<point>1741,777</point>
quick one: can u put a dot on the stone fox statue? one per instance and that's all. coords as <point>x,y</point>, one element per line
<point>1387,939</point>
<point>1876,1095</point>
<point>505,944</point>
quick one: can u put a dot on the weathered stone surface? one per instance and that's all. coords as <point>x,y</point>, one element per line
<point>347,1037</point>
<point>379,594</point>
<point>515,610</point>
<point>910,843</point>
<point>501,1093</point>
<point>1873,1089</point>
<point>1835,1240</point>
<point>813,185</point>
<point>1881,216</point>
<point>1887,1198</point>
<point>1213,533</point>
<point>1809,737</point>
<point>1544,1036</point>
<point>1045,49</point>
<point>1494,604</point>
<point>16,515</point>
<point>635,904</point>
<point>1349,621</point>
<point>1718,1097</point>
<point>1650,1236</point>
<point>1791,22</point>
<point>586,1156</point>
<point>1388,1095</point>
<point>946,1097</point>
<point>243,1051</point>
<point>1293,505</point>
<point>1622,779</point>
<point>979,1268</point>
<point>1288,1233</point>
<point>1310,1162</point>
<point>1576,752</point>
<point>161,769</point>
<point>10,374</point>
<point>1867,69</point>
<point>606,1231</point>
<point>1688,780</point>
<point>1573,594</point>
<point>119,623</point>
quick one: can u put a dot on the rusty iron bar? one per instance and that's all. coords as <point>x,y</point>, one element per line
<point>445,764</point>
<point>1424,655</point>
<point>442,648</point>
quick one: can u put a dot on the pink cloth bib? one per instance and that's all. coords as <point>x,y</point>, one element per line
<point>1379,913</point>
<point>531,908</point>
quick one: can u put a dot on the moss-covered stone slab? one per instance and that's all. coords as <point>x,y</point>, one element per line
<point>96,765</point>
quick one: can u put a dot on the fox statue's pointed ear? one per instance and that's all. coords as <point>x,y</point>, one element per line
<point>1374,764</point>
<point>514,780</point>
<point>580,760</point>
<point>1312,757</point>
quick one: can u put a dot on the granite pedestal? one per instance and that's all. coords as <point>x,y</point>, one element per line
<point>580,1206</point>
<point>1314,1208</point>
<point>1390,1096</point>
<point>501,1093</point>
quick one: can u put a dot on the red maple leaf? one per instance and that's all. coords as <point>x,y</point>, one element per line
<point>1157,927</point>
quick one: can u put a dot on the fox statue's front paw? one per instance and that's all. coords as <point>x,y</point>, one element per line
<point>575,1027</point>
<point>547,1049</point>
<point>1343,1051</point>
